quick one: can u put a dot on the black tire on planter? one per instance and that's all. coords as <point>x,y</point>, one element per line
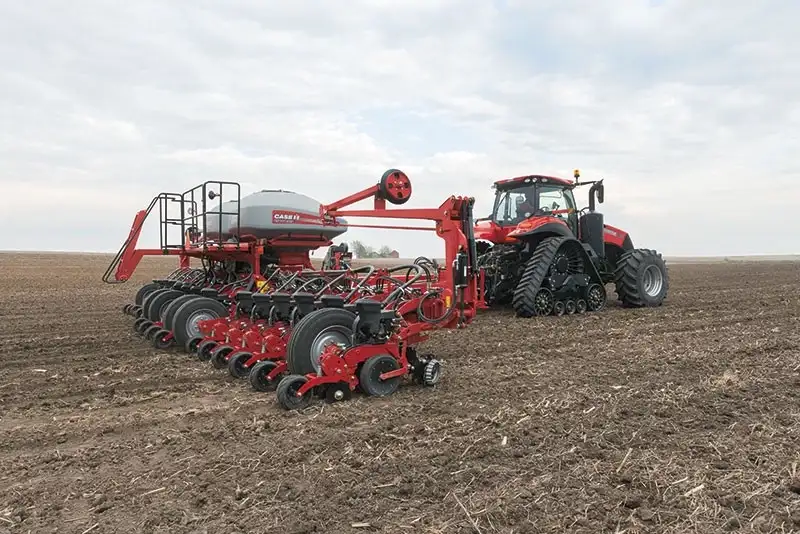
<point>180,320</point>
<point>641,279</point>
<point>158,303</point>
<point>372,369</point>
<point>287,393</point>
<point>258,376</point>
<point>144,291</point>
<point>148,299</point>
<point>299,357</point>
<point>172,307</point>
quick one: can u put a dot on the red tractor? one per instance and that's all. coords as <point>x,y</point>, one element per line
<point>544,256</point>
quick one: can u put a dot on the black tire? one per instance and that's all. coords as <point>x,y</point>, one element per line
<point>160,341</point>
<point>302,351</point>
<point>172,307</point>
<point>236,363</point>
<point>191,346</point>
<point>157,304</point>
<point>524,301</point>
<point>372,369</point>
<point>144,291</point>
<point>205,348</point>
<point>145,306</point>
<point>641,279</point>
<point>219,356</point>
<point>150,331</point>
<point>258,376</point>
<point>190,310</point>
<point>286,392</point>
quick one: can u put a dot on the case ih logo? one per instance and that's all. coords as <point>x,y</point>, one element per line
<point>285,217</point>
<point>293,217</point>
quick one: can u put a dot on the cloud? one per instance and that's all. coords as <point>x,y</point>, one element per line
<point>689,111</point>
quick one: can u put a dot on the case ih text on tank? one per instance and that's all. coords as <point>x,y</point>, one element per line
<point>544,256</point>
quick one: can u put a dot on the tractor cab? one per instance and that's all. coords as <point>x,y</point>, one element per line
<point>529,199</point>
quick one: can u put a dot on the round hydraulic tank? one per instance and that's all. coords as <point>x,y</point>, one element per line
<point>269,214</point>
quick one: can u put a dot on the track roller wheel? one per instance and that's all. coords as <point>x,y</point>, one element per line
<point>287,393</point>
<point>162,339</point>
<point>149,331</point>
<point>544,301</point>
<point>559,308</point>
<point>569,307</point>
<point>581,306</point>
<point>432,374</point>
<point>191,346</point>
<point>595,297</point>
<point>641,279</point>
<point>236,363</point>
<point>369,376</point>
<point>258,376</point>
<point>205,348</point>
<point>219,356</point>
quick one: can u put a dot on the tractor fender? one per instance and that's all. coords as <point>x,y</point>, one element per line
<point>546,229</point>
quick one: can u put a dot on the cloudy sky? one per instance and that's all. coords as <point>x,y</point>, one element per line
<point>689,110</point>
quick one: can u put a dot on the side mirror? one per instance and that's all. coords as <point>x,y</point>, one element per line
<point>596,191</point>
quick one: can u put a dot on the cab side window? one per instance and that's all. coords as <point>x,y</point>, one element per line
<point>553,199</point>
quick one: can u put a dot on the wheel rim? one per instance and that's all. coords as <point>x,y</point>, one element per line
<point>652,281</point>
<point>595,297</point>
<point>193,324</point>
<point>334,334</point>
<point>543,303</point>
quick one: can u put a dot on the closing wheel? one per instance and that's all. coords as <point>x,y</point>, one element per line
<point>395,187</point>
<point>204,349</point>
<point>595,297</point>
<point>316,331</point>
<point>149,331</point>
<point>287,393</point>
<point>433,373</point>
<point>559,308</point>
<point>138,323</point>
<point>219,356</point>
<point>580,306</point>
<point>191,346</point>
<point>258,376</point>
<point>162,339</point>
<point>569,307</point>
<point>236,363</point>
<point>369,376</point>
<point>143,326</point>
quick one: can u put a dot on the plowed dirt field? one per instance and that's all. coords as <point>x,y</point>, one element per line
<point>680,419</point>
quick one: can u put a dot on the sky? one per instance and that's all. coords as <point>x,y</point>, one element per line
<point>690,111</point>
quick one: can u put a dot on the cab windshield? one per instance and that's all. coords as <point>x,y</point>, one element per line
<point>512,206</point>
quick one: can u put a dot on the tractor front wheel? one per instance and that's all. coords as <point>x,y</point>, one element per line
<point>641,279</point>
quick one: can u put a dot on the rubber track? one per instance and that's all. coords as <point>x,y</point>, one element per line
<point>625,276</point>
<point>535,272</point>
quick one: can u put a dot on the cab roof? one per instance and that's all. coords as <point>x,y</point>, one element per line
<point>511,182</point>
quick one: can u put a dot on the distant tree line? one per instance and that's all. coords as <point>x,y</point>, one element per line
<point>360,250</point>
